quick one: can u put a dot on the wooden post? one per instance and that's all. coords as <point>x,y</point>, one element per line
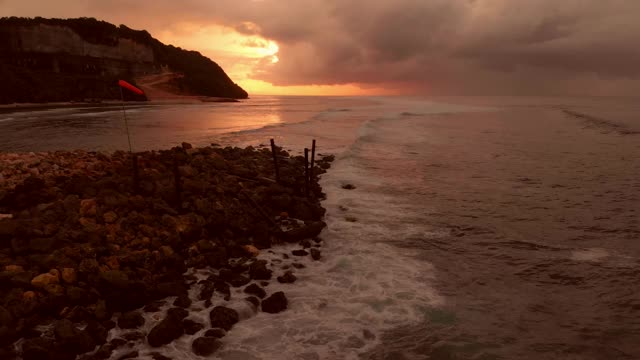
<point>136,175</point>
<point>306,172</point>
<point>176,179</point>
<point>275,160</point>
<point>313,157</point>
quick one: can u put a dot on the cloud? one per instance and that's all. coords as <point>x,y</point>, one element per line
<point>430,46</point>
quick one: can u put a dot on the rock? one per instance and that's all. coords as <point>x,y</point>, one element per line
<point>158,356</point>
<point>315,254</point>
<point>98,332</point>
<point>205,346</point>
<point>167,330</point>
<point>254,301</point>
<point>115,278</point>
<point>129,355</point>
<point>71,339</point>
<point>239,280</point>
<point>29,296</point>
<point>182,301</point>
<point>348,186</point>
<point>153,307</point>
<point>275,303</point>
<point>215,333</point>
<point>258,270</point>
<point>308,231</point>
<point>300,252</point>
<point>287,278</point>
<point>130,320</point>
<point>223,317</point>
<point>178,313</point>
<point>88,207</point>
<point>77,296</point>
<point>101,312</point>
<point>251,250</point>
<point>22,279</point>
<point>14,268</point>
<point>110,217</point>
<point>6,319</point>
<point>186,146</point>
<point>37,349</point>
<point>191,327</point>
<point>89,266</point>
<point>69,275</point>
<point>42,280</point>
<point>305,243</point>
<point>255,289</point>
<point>41,245</point>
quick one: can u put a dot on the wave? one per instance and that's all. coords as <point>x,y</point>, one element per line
<point>605,125</point>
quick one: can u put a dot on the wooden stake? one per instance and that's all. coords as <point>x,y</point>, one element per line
<point>306,172</point>
<point>275,160</point>
<point>313,157</point>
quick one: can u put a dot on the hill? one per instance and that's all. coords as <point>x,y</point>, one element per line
<point>53,60</point>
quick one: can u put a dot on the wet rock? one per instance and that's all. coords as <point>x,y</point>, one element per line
<point>110,217</point>
<point>133,336</point>
<point>97,332</point>
<point>348,187</point>
<point>223,317</point>
<point>154,306</point>
<point>43,280</point>
<point>77,296</point>
<point>129,355</point>
<point>255,289</point>
<point>254,301</point>
<point>258,270</point>
<point>69,275</point>
<point>275,303</point>
<point>167,330</point>
<point>71,339</point>
<point>37,349</point>
<point>101,312</point>
<point>299,253</point>
<point>178,313</point>
<point>191,327</point>
<point>305,232</point>
<point>305,243</point>
<point>87,207</point>
<point>130,320</point>
<point>42,245</point>
<point>315,254</point>
<point>215,333</point>
<point>287,278</point>
<point>182,301</point>
<point>239,280</point>
<point>205,346</point>
<point>158,356</point>
<point>223,288</point>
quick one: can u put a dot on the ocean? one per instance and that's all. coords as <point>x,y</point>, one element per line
<point>479,227</point>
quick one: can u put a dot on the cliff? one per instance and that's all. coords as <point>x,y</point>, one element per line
<point>49,60</point>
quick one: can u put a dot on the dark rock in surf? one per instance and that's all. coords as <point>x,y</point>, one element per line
<point>287,278</point>
<point>259,271</point>
<point>167,330</point>
<point>223,317</point>
<point>216,333</point>
<point>255,289</point>
<point>205,346</point>
<point>306,232</point>
<point>191,327</point>
<point>275,303</point>
<point>300,253</point>
<point>315,254</point>
<point>130,320</point>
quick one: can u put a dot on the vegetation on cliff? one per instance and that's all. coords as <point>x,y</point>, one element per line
<point>45,77</point>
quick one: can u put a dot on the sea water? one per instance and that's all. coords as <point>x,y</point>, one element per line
<point>479,228</point>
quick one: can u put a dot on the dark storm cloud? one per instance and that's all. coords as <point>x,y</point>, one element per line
<point>435,46</point>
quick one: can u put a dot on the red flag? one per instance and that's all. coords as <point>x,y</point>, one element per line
<point>130,87</point>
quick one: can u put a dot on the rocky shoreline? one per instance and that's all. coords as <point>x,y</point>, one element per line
<point>87,247</point>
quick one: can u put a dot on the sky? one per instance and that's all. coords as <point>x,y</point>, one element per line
<point>391,47</point>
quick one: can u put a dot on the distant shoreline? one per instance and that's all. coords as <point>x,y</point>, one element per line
<point>5,108</point>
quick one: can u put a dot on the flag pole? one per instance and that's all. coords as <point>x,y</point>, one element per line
<point>126,123</point>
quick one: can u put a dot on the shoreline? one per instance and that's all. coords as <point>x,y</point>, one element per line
<point>82,252</point>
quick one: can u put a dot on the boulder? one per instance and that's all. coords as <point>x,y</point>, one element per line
<point>255,289</point>
<point>182,301</point>
<point>299,253</point>
<point>6,319</point>
<point>205,346</point>
<point>88,207</point>
<point>37,349</point>
<point>215,333</point>
<point>287,278</point>
<point>315,254</point>
<point>191,327</point>
<point>167,330</point>
<point>71,339</point>
<point>69,275</point>
<point>130,320</point>
<point>178,313</point>
<point>42,280</point>
<point>305,232</point>
<point>223,317</point>
<point>258,270</point>
<point>275,303</point>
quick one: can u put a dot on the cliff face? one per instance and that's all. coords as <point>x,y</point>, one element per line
<point>47,60</point>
